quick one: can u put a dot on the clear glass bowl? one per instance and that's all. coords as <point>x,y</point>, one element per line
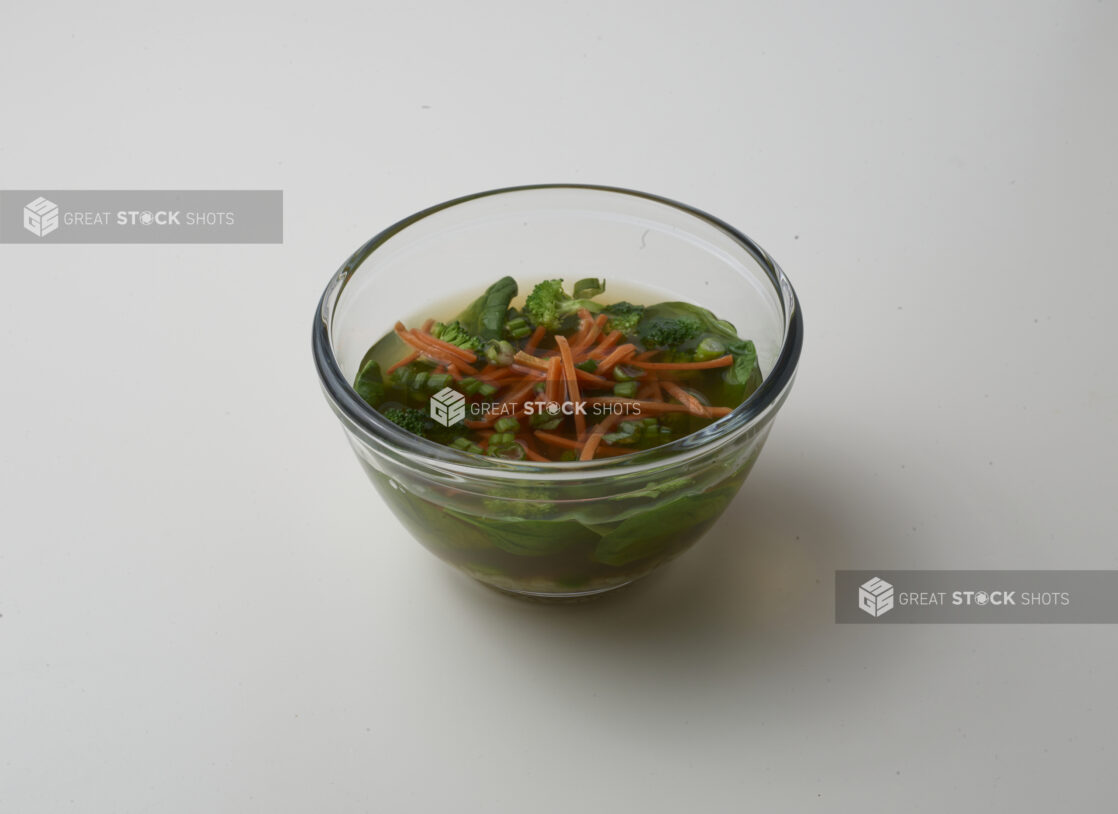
<point>557,530</point>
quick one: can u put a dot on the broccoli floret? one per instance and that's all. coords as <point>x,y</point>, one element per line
<point>624,316</point>
<point>549,303</point>
<point>413,420</point>
<point>670,333</point>
<point>456,334</point>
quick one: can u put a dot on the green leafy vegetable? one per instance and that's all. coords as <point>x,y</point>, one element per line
<point>485,317</point>
<point>588,287</point>
<point>369,383</point>
<point>670,332</point>
<point>624,317</point>
<point>412,420</point>
<point>549,304</point>
<point>531,538</point>
<point>455,333</point>
<point>659,529</point>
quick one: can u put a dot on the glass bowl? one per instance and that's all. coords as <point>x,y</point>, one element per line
<point>562,530</point>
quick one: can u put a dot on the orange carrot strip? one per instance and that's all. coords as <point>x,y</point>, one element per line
<point>454,372</point>
<point>535,339</point>
<point>428,343</point>
<point>462,366</point>
<point>557,440</point>
<point>585,321</point>
<point>531,453</point>
<point>492,375</point>
<point>696,406</point>
<point>527,371</point>
<point>721,361</point>
<point>595,331</point>
<point>554,382</point>
<point>590,378</point>
<point>648,354</point>
<point>719,412</point>
<point>590,333</point>
<point>573,394</point>
<point>516,395</point>
<point>608,342</point>
<point>616,355</point>
<point>600,429</point>
<point>407,360</point>
<point>427,326</point>
<point>446,347</point>
<point>530,360</point>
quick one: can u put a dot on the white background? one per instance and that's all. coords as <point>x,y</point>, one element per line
<point>205,607</point>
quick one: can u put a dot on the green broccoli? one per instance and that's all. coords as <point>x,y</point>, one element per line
<point>455,333</point>
<point>624,316</point>
<point>549,303</point>
<point>670,333</point>
<point>413,420</point>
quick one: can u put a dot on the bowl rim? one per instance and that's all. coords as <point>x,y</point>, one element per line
<point>379,432</point>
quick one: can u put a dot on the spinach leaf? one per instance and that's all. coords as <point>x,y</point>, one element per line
<point>742,377</point>
<point>709,324</point>
<point>369,383</point>
<point>588,287</point>
<point>657,530</point>
<point>531,538</point>
<point>485,316</point>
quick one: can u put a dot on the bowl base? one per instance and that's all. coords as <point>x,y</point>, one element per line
<point>556,598</point>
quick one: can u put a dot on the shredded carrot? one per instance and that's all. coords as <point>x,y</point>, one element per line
<point>721,361</point>
<point>554,382</point>
<point>596,434</point>
<point>531,453</point>
<point>616,355</point>
<point>648,354</point>
<point>608,342</point>
<point>454,372</point>
<point>586,322</point>
<point>493,376</point>
<point>407,360</point>
<point>591,378</point>
<point>527,371</point>
<point>426,344</point>
<point>693,404</point>
<point>557,440</point>
<point>530,360</point>
<point>573,394</point>
<point>535,339</point>
<point>446,347</point>
<point>516,395</point>
<point>427,326</point>
<point>593,330</point>
<point>434,357</point>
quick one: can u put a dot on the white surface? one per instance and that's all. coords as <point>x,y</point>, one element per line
<point>204,605</point>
